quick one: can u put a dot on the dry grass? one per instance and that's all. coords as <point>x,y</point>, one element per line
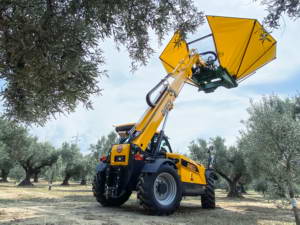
<point>76,205</point>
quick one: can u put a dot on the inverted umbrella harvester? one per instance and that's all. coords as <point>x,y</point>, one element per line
<point>241,47</point>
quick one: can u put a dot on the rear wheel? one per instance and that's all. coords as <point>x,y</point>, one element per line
<point>208,200</point>
<point>160,193</point>
<point>99,193</point>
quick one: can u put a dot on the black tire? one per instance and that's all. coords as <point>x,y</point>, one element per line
<point>166,183</point>
<point>208,200</point>
<point>98,191</point>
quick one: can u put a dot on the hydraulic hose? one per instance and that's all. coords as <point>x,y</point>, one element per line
<point>148,96</point>
<point>210,53</point>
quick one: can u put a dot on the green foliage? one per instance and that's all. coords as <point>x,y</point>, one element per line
<point>229,161</point>
<point>35,156</point>
<point>12,138</point>
<point>17,173</point>
<point>16,146</point>
<point>71,162</point>
<point>53,173</point>
<point>73,165</point>
<point>5,162</point>
<point>272,143</point>
<point>199,150</point>
<point>69,153</point>
<point>277,8</point>
<point>261,185</point>
<point>101,148</point>
<point>50,50</point>
<point>87,168</point>
<point>103,145</point>
<point>73,170</point>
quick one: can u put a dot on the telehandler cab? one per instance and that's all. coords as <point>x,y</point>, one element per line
<point>143,160</point>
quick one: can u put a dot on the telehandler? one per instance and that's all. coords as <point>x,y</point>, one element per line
<point>143,160</point>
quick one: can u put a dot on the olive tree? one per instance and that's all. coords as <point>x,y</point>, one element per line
<point>87,168</point>
<point>6,164</point>
<point>229,162</point>
<point>34,157</point>
<point>103,145</point>
<point>12,141</point>
<point>276,8</point>
<point>71,162</point>
<point>51,55</point>
<point>17,173</point>
<point>272,139</point>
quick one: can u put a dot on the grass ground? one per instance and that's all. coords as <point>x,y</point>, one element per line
<point>76,205</point>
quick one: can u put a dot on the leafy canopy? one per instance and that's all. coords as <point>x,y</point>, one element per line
<point>229,162</point>
<point>12,141</point>
<point>50,50</point>
<point>272,141</point>
<point>276,8</point>
<point>71,161</point>
<point>103,145</point>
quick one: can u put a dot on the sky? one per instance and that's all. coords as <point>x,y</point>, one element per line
<point>195,114</point>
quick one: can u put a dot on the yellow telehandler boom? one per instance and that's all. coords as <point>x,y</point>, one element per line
<point>143,160</point>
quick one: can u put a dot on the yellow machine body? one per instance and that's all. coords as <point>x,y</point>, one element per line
<point>242,46</point>
<point>143,160</point>
<point>188,170</point>
<point>152,118</point>
<point>120,155</point>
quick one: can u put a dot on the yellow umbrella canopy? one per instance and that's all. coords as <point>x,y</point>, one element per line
<point>242,45</point>
<point>175,52</point>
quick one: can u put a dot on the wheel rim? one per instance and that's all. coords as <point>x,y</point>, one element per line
<point>165,188</point>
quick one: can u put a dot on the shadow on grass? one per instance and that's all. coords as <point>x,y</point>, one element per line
<point>8,186</point>
<point>38,185</point>
<point>79,198</point>
<point>194,214</point>
<point>35,200</point>
<point>187,213</point>
<point>238,199</point>
<point>265,210</point>
<point>4,202</point>
<point>66,190</point>
<point>30,201</point>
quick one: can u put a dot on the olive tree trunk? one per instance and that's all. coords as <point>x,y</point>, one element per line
<point>83,181</point>
<point>232,184</point>
<point>66,180</point>
<point>4,175</point>
<point>36,177</point>
<point>233,190</point>
<point>26,181</point>
<point>242,189</point>
<point>293,201</point>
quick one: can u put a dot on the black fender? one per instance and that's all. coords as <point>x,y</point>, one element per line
<point>152,167</point>
<point>101,167</point>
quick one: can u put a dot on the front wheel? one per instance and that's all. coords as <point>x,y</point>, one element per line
<point>99,193</point>
<point>160,193</point>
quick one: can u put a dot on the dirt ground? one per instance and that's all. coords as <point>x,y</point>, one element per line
<point>76,205</point>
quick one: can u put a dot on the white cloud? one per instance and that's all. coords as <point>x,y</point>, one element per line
<point>195,114</point>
